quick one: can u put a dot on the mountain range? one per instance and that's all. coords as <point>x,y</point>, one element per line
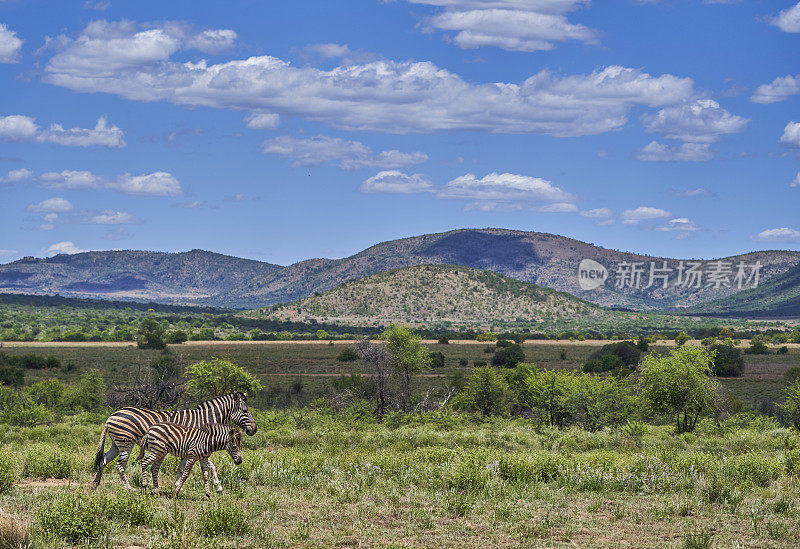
<point>206,278</point>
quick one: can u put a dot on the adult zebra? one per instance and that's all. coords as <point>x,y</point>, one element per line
<point>127,426</point>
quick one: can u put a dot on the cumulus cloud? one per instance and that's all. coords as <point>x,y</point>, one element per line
<point>111,217</point>
<point>699,121</point>
<point>15,176</point>
<point>784,234</point>
<point>789,19</point>
<point>10,45</point>
<point>643,213</point>
<point>102,135</point>
<point>680,224</point>
<point>597,213</point>
<point>65,247</point>
<point>791,135</point>
<point>17,127</point>
<point>153,184</point>
<point>689,152</point>
<point>212,41</point>
<point>385,96</point>
<point>796,181</point>
<point>503,191</point>
<point>394,181</point>
<point>559,207</point>
<point>780,89</point>
<point>263,121</point>
<point>348,155</point>
<point>51,205</point>
<point>509,25</point>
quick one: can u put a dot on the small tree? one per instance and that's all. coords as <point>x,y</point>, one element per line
<point>791,406</point>
<point>151,335</point>
<point>409,356</point>
<point>548,391</point>
<point>728,360</point>
<point>177,337</point>
<point>680,384</point>
<point>757,346</point>
<point>217,376</point>
<point>681,339</point>
<point>88,394</point>
<point>378,357</point>
<point>486,392</point>
<point>508,356</point>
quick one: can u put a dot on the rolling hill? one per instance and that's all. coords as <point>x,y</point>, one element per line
<point>205,278</point>
<point>454,297</point>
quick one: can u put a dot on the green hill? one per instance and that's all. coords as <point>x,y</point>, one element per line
<point>455,297</point>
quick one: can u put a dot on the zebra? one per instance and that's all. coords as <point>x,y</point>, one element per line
<point>191,444</point>
<point>127,426</point>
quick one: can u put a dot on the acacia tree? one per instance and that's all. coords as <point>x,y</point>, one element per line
<point>408,356</point>
<point>681,383</point>
<point>378,357</point>
<point>217,376</point>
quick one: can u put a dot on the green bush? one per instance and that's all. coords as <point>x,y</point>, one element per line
<point>348,354</point>
<point>11,374</point>
<point>222,518</point>
<point>508,356</point>
<point>727,361</point>
<point>486,392</point>
<point>437,359</point>
<point>47,461</point>
<point>73,517</point>
<point>8,471</point>
<point>177,337</point>
<point>613,356</point>
<point>757,346</point>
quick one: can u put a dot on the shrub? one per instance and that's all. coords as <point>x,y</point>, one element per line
<point>222,519</point>
<point>151,335</point>
<point>437,359</point>
<point>47,392</point>
<point>727,361</point>
<point>11,374</point>
<point>792,374</point>
<point>348,354</point>
<point>487,336</point>
<point>216,377</point>
<point>612,356</point>
<point>177,337</point>
<point>783,350</point>
<point>486,392</point>
<point>47,461</point>
<point>791,406</point>
<point>88,394</point>
<point>681,339</point>
<point>8,472</point>
<point>508,357</point>
<point>73,517</point>
<point>757,346</point>
<point>443,340</point>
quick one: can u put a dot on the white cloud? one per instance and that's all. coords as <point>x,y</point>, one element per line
<point>386,96</point>
<point>66,247</point>
<point>503,191</point>
<point>9,252</point>
<point>153,184</point>
<point>212,41</point>
<point>17,128</point>
<point>348,155</point>
<point>111,217</point>
<point>393,181</point>
<point>597,213</point>
<point>689,193</point>
<point>10,45</point>
<point>559,207</point>
<point>780,89</point>
<point>783,234</point>
<point>796,181</point>
<point>791,135</point>
<point>51,205</point>
<point>789,19</point>
<point>326,51</point>
<point>100,136</point>
<point>263,121</point>
<point>680,224</point>
<point>689,152</point>
<point>643,213</point>
<point>517,25</point>
<point>15,176</point>
<point>699,121</point>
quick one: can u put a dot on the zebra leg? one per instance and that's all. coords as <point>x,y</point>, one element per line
<point>204,468</point>
<point>147,461</point>
<point>107,458</point>
<point>181,467</point>
<point>122,464</point>
<point>154,471</point>
<point>214,476</point>
<point>184,475</point>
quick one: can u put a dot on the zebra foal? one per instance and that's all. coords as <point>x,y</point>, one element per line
<point>189,443</point>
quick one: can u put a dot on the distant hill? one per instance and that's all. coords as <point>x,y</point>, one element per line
<point>778,297</point>
<point>210,279</point>
<point>136,275</point>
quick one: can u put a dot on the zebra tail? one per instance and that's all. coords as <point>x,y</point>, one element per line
<point>142,444</point>
<point>98,460</point>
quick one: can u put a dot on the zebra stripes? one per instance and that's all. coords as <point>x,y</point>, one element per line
<point>191,444</point>
<point>127,426</point>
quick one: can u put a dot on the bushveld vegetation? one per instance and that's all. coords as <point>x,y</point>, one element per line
<point>537,453</point>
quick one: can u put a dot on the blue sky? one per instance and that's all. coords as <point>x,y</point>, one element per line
<point>285,131</point>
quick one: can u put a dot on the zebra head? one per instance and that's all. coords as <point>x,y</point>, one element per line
<point>234,445</point>
<point>240,415</point>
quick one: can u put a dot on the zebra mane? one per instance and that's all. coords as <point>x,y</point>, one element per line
<point>227,402</point>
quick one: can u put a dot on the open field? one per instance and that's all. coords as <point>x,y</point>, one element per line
<point>280,363</point>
